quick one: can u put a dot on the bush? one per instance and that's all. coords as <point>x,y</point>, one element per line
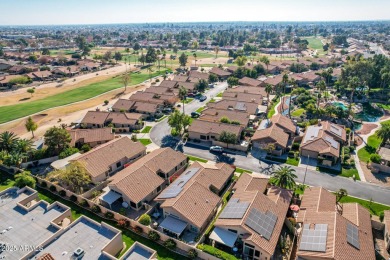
<point>84,204</point>
<point>96,209</point>
<point>122,211</point>
<point>381,216</point>
<point>375,158</point>
<point>292,221</point>
<point>68,152</point>
<point>170,244</point>
<point>106,102</point>
<point>192,254</point>
<point>157,80</point>
<point>109,215</point>
<point>291,154</point>
<point>43,184</point>
<point>153,235</point>
<point>216,252</point>
<point>145,220</point>
<point>138,229</point>
<point>62,193</point>
<point>73,198</point>
<point>295,146</point>
<point>24,179</point>
<point>352,148</point>
<point>174,132</point>
<point>85,148</point>
<point>53,188</point>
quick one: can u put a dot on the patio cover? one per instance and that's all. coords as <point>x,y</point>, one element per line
<point>110,197</point>
<point>174,225</point>
<point>223,236</point>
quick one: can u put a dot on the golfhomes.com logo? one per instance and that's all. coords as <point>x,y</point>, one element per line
<point>24,248</point>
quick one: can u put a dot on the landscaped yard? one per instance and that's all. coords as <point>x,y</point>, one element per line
<point>349,173</point>
<point>188,100</point>
<point>220,94</point>
<point>292,161</point>
<point>193,158</point>
<point>146,129</point>
<point>272,111</point>
<point>12,112</point>
<point>240,170</point>
<point>298,112</point>
<point>6,181</point>
<point>373,207</point>
<point>373,143</point>
<point>145,141</point>
<point>199,110</point>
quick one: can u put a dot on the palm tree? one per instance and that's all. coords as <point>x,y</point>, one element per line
<point>321,86</point>
<point>149,69</point>
<point>182,95</point>
<point>284,177</point>
<point>24,146</point>
<point>384,133</point>
<point>241,60</point>
<point>216,50</point>
<point>30,125</point>
<point>340,194</point>
<point>8,141</point>
<point>265,60</point>
<point>353,84</point>
<point>171,58</point>
<point>195,58</point>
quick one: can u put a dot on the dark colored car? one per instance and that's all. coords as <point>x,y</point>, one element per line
<point>202,98</point>
<point>195,114</point>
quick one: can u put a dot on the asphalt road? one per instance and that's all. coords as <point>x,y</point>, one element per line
<point>160,134</point>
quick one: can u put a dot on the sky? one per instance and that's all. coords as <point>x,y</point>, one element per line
<point>53,12</point>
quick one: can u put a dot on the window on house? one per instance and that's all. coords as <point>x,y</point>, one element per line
<point>203,137</point>
<point>257,253</point>
<point>132,204</point>
<point>99,142</point>
<point>212,137</point>
<point>158,188</point>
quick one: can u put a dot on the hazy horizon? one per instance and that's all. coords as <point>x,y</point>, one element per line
<point>99,12</point>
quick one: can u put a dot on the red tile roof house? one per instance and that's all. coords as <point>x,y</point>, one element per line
<point>253,218</point>
<point>122,122</point>
<point>141,181</point>
<point>43,75</point>
<point>66,71</point>
<point>279,131</point>
<point>149,110</point>
<point>245,81</point>
<point>91,137</point>
<point>331,231</point>
<point>107,159</point>
<point>239,106</point>
<point>323,142</point>
<point>215,115</point>
<point>210,131</point>
<point>192,200</point>
<point>220,73</point>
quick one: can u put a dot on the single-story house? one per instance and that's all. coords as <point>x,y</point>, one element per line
<point>210,131</point>
<point>220,73</point>
<point>215,115</point>
<point>246,81</point>
<point>122,122</point>
<point>91,137</point>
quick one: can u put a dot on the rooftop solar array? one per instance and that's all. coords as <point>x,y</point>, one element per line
<point>335,130</point>
<point>314,239</point>
<point>261,223</point>
<point>353,235</point>
<point>234,209</point>
<point>311,133</point>
<point>177,186</point>
<point>332,142</point>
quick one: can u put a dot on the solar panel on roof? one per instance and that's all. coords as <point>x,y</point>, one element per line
<point>353,235</point>
<point>335,130</point>
<point>314,239</point>
<point>177,186</point>
<point>332,142</point>
<point>234,209</point>
<point>261,223</point>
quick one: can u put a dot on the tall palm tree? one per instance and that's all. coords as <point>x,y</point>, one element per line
<point>24,146</point>
<point>182,95</point>
<point>353,84</point>
<point>321,86</point>
<point>8,141</point>
<point>284,177</point>
<point>216,50</point>
<point>384,133</point>
<point>195,58</point>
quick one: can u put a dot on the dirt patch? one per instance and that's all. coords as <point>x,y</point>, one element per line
<point>366,129</point>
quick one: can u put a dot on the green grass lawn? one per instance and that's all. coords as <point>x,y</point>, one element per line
<point>374,208</point>
<point>373,143</point>
<point>6,181</point>
<point>199,110</point>
<point>145,141</point>
<point>348,173</point>
<point>298,112</point>
<point>146,129</point>
<point>240,170</point>
<point>196,159</point>
<point>188,100</point>
<point>161,118</point>
<point>315,44</point>
<point>220,94</point>
<point>292,161</point>
<point>272,111</point>
<point>12,112</point>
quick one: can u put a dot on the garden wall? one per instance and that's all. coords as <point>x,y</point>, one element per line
<point>182,248</point>
<point>39,162</point>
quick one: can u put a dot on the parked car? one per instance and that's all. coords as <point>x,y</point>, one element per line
<point>216,148</point>
<point>195,114</point>
<point>190,95</point>
<point>211,85</point>
<point>202,98</point>
<point>167,110</point>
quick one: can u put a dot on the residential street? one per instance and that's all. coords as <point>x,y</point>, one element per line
<point>160,135</point>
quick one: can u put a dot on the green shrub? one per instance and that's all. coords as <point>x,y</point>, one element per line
<point>381,216</point>
<point>174,132</point>
<point>106,102</point>
<point>375,158</point>
<point>73,198</point>
<point>170,244</point>
<point>192,254</point>
<point>84,204</point>
<point>53,188</point>
<point>157,80</point>
<point>216,252</point>
<point>295,146</point>
<point>68,152</point>
<point>153,235</point>
<point>85,148</point>
<point>62,193</point>
<point>96,209</point>
<point>145,220</point>
<point>122,211</point>
<point>109,215</point>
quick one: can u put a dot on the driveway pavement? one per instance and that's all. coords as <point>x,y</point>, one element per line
<point>160,135</point>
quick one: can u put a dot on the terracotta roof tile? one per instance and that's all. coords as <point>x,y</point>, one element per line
<point>91,135</point>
